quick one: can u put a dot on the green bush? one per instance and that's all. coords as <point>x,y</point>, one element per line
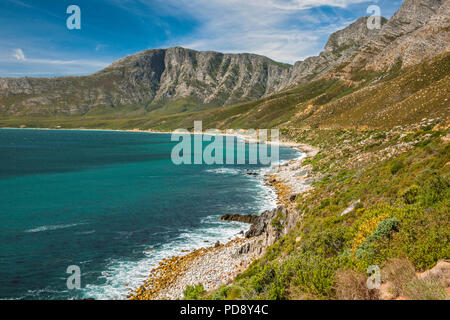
<point>265,281</point>
<point>396,166</point>
<point>228,293</point>
<point>385,229</point>
<point>436,189</point>
<point>423,236</point>
<point>410,194</point>
<point>315,275</point>
<point>193,292</point>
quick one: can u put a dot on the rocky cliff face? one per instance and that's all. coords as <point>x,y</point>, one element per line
<point>339,48</point>
<point>210,76</point>
<point>428,40</point>
<point>263,232</point>
<point>149,77</point>
<point>418,30</point>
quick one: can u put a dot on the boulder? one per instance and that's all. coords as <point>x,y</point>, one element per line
<point>239,218</point>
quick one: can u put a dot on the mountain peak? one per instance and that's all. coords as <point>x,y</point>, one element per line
<point>399,37</point>
<point>353,35</point>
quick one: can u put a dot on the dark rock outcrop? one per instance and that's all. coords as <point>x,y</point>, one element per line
<point>261,223</point>
<point>240,218</point>
<point>267,228</point>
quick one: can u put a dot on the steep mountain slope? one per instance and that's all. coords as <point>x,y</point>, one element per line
<point>420,28</point>
<point>340,47</point>
<point>393,98</point>
<point>427,41</point>
<point>211,77</point>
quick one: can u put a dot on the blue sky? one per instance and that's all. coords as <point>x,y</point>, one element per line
<point>34,39</point>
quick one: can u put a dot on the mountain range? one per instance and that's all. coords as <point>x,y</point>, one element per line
<point>160,87</point>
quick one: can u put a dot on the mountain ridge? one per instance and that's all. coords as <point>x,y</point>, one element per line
<point>154,76</point>
<point>178,81</point>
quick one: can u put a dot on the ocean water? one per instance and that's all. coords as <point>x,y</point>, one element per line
<point>112,203</point>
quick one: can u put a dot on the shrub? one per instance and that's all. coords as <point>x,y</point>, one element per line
<point>228,293</point>
<point>367,225</point>
<point>436,189</point>
<point>423,237</point>
<point>385,229</point>
<point>325,203</point>
<point>262,279</point>
<point>410,194</point>
<point>427,289</point>
<point>315,275</point>
<point>396,166</point>
<point>351,285</point>
<point>193,292</point>
<point>399,272</point>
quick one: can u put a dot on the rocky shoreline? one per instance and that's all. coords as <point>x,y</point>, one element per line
<point>220,264</point>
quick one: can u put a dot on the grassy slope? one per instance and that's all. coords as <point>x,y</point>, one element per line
<point>399,172</point>
<point>402,179</point>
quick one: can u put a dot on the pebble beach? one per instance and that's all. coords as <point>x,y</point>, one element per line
<point>220,264</point>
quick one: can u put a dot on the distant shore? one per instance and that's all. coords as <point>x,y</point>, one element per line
<point>303,147</point>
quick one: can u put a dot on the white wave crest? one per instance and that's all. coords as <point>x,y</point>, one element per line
<point>54,227</point>
<point>228,171</point>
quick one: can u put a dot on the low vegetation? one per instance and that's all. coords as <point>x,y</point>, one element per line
<point>401,224</point>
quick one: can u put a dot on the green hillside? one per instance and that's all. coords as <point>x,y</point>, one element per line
<point>367,100</point>
<point>397,184</point>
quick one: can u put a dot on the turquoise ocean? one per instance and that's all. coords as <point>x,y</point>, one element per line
<point>112,203</point>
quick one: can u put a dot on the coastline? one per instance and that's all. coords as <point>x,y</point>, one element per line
<point>219,265</point>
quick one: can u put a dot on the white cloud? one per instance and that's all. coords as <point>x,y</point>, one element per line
<point>100,47</point>
<point>18,54</point>
<point>91,63</point>
<point>19,64</point>
<point>274,28</point>
<point>304,4</point>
